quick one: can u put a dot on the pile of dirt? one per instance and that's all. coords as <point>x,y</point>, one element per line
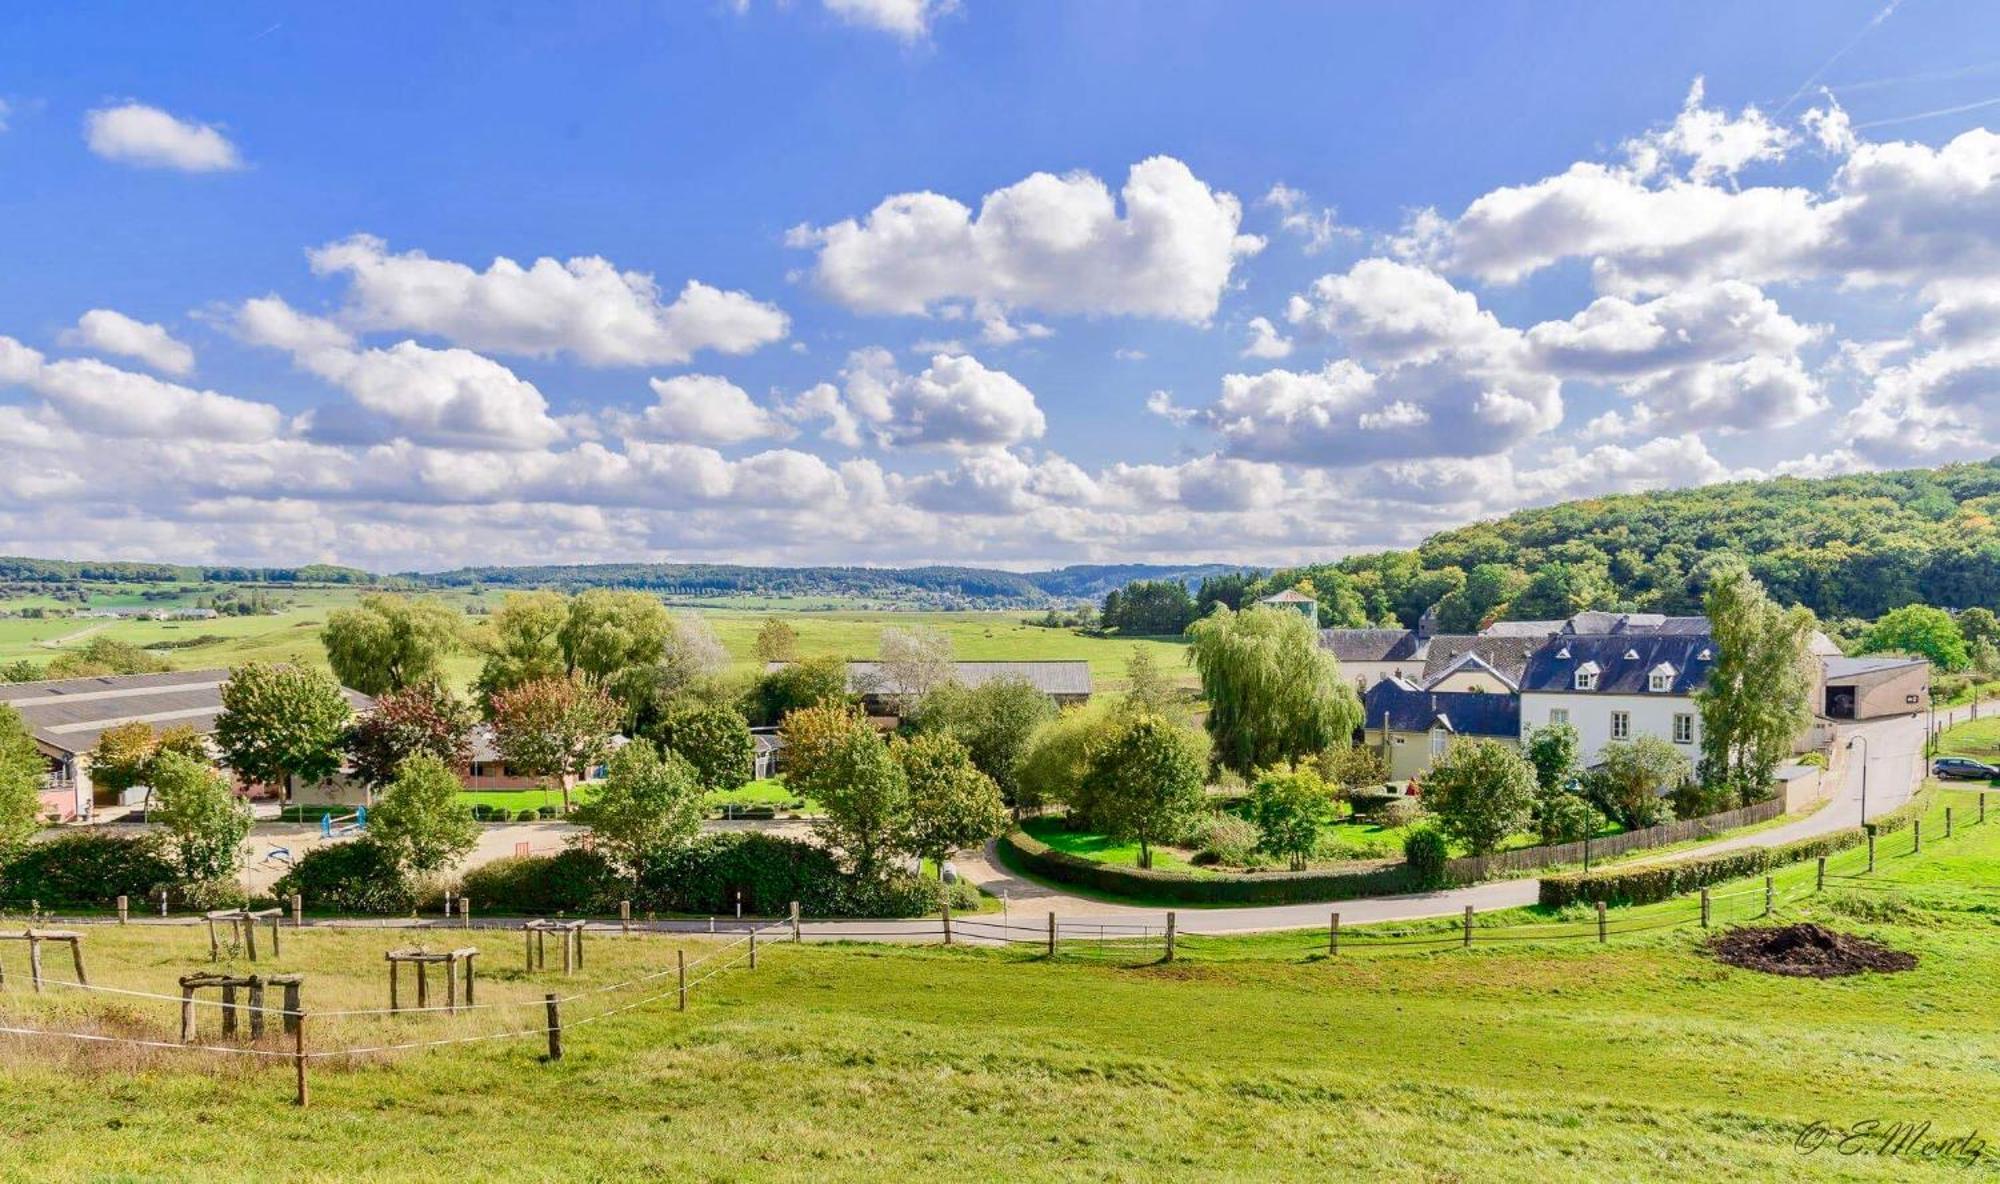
<point>1806,951</point>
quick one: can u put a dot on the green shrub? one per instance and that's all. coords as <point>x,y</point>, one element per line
<point>356,876</point>
<point>964,897</point>
<point>1425,851</point>
<point>1276,887</point>
<point>1664,881</point>
<point>571,881</point>
<point>771,872</point>
<point>546,812</point>
<point>85,869</point>
<point>1400,812</point>
<point>526,816</point>
<point>1225,838</point>
<point>895,894</point>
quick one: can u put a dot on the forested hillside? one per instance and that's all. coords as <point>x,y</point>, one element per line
<point>1846,547</point>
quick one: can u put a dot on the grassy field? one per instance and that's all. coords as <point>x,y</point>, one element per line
<point>293,636</point>
<point>1249,1058</point>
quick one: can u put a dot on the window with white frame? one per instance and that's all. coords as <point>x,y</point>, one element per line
<point>1683,728</point>
<point>1586,680</point>
<point>1439,738</point>
<point>1558,715</point>
<point>1621,725</point>
<point>1662,682</point>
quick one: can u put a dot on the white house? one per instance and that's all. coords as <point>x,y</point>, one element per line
<point>1619,687</point>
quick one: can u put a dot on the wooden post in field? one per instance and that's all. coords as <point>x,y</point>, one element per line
<point>1052,934</point>
<point>753,949</point>
<point>293,1016</point>
<point>1769,892</point>
<point>1947,822</point>
<point>1704,908</point>
<point>298,1019</point>
<point>256,1007</point>
<point>681,964</point>
<point>1916,836</point>
<point>1333,936</point>
<point>947,922</point>
<point>797,936</point>
<point>214,947</point>
<point>229,1009</point>
<point>1601,934</point>
<point>1871,850</point>
<point>1819,883</point>
<point>555,1027</point>
<point>1170,935</point>
<point>187,1014</point>
<point>1468,927</point>
<point>529,934</point>
<point>35,960</point>
<point>123,910</point>
<point>625,916</point>
<point>1982,805</point>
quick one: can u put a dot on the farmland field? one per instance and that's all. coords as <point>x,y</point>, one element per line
<point>1255,1057</point>
<point>293,635</point>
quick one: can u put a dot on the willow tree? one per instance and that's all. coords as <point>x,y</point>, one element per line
<point>1273,694</point>
<point>1758,696</point>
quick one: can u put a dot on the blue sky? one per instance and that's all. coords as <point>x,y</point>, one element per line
<point>998,283</point>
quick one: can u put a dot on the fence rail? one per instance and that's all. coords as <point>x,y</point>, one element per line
<point>1472,868</point>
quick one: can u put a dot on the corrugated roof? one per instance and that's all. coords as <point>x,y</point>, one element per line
<point>69,714</point>
<point>1851,667</point>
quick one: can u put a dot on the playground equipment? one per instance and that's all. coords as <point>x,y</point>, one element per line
<point>347,824</point>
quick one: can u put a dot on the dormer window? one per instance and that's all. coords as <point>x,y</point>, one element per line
<point>1706,654</point>
<point>1586,677</point>
<point>1563,653</point>
<point>1661,677</point>
<point>1631,655</point>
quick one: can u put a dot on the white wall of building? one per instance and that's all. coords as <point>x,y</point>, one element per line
<point>1591,713</point>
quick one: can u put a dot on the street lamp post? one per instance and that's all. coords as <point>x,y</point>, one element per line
<point>1863,741</point>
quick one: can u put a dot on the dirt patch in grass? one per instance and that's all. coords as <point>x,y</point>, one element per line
<point>1806,951</point>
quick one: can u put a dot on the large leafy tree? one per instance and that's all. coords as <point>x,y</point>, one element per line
<point>808,682</point>
<point>279,723</point>
<point>1552,749</point>
<point>834,757</point>
<point>1052,765</point>
<point>389,642</point>
<point>776,641</point>
<point>1558,590</point>
<point>1632,778</point>
<point>993,721</point>
<point>713,739</point>
<point>1274,695</point>
<point>1922,630</point>
<point>420,720</point>
<point>23,772</point>
<point>1291,808</point>
<point>557,726</point>
<point>203,819</point>
<point>649,803</point>
<point>953,806</point>
<point>1145,782</point>
<point>1757,698</point>
<point>1148,690</point>
<point>123,756</point>
<point>1150,608</point>
<point>915,662</point>
<point>421,820</point>
<point>1485,594</point>
<point>522,642</point>
<point>1481,791</point>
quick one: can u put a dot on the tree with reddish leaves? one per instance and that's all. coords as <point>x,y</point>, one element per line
<point>424,719</point>
<point>554,727</point>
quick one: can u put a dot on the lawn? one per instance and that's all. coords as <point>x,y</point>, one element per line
<point>1251,1058</point>
<point>1979,739</point>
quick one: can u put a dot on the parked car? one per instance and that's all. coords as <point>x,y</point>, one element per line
<point>1964,768</point>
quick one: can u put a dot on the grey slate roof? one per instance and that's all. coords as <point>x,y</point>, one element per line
<point>1059,678</point>
<point>1464,713</point>
<point>69,714</point>
<point>1524,628</point>
<point>1604,623</point>
<point>1508,655</point>
<point>1552,669</point>
<point>1370,645</point>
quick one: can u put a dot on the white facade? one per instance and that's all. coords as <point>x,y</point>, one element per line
<point>1599,718</point>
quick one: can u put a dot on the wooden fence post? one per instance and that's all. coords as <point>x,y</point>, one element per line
<point>1333,936</point>
<point>35,960</point>
<point>304,1096</point>
<point>681,963</point>
<point>293,1016</point>
<point>123,909</point>
<point>1468,927</point>
<point>1947,822</point>
<point>1916,836</point>
<point>1871,850</point>
<point>298,911</point>
<point>1601,934</point>
<point>1170,935</point>
<point>947,921</point>
<point>625,916</point>
<point>256,1007</point>
<point>1768,893</point>
<point>465,912</point>
<point>1052,934</point>
<point>214,947</point>
<point>1819,883</point>
<point>229,1010</point>
<point>1982,805</point>
<point>529,935</point>
<point>753,949</point>
<point>1704,908</point>
<point>797,936</point>
<point>187,1014</point>
<point>555,1027</point>
<point>249,924</point>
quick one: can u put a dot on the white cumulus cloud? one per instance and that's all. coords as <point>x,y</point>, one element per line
<point>104,330</point>
<point>136,134</point>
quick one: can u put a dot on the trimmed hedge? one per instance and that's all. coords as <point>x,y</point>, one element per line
<point>85,869</point>
<point>571,881</point>
<point>355,876</point>
<point>1251,888</point>
<point>1663,881</point>
<point>771,872</point>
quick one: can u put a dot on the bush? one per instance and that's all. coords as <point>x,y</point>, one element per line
<point>896,894</point>
<point>528,815</point>
<point>356,876</point>
<point>85,869</point>
<point>545,813</point>
<point>1663,881</point>
<point>1400,812</point>
<point>1425,852</point>
<point>572,881</point>
<point>769,871</point>
<point>1225,838</point>
<point>1274,887</point>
